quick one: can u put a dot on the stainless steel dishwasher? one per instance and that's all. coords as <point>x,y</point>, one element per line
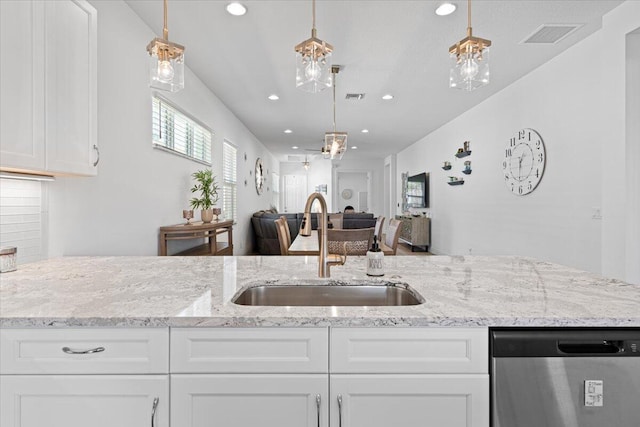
<point>556,377</point>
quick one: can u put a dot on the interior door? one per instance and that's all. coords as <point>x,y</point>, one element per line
<point>295,193</point>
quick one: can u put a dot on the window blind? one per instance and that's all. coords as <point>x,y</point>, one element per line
<point>175,131</point>
<point>229,181</point>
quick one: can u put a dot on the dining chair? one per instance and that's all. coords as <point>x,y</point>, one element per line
<point>390,244</point>
<point>282,228</point>
<point>378,228</point>
<point>349,242</point>
<point>336,221</point>
<point>286,229</point>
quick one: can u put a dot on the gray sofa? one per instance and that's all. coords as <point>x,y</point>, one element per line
<point>266,236</point>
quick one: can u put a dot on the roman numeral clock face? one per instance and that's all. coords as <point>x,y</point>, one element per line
<point>524,162</point>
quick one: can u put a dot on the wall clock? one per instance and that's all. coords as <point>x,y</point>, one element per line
<point>259,176</point>
<point>524,162</point>
<point>346,194</point>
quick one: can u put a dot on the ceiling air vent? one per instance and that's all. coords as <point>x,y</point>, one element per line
<point>550,33</point>
<point>355,96</point>
<point>295,158</point>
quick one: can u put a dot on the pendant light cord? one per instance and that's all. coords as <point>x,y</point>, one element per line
<point>334,102</point>
<point>469,18</point>
<point>313,6</point>
<point>165,30</point>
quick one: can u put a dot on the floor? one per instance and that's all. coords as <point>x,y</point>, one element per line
<point>404,249</point>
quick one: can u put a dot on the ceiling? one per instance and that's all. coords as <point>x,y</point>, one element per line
<point>384,46</point>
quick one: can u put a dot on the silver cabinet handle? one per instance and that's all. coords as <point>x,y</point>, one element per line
<point>95,147</point>
<point>318,407</point>
<point>339,410</point>
<point>90,351</point>
<point>153,411</point>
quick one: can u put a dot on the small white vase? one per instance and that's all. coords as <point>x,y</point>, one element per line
<point>206,215</point>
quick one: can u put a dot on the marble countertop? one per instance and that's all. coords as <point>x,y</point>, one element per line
<point>197,292</point>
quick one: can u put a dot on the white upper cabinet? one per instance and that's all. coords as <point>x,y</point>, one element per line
<point>48,61</point>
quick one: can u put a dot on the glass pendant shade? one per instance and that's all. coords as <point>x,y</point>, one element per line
<point>469,69</point>
<point>166,65</point>
<point>335,144</point>
<point>313,65</point>
<point>313,61</point>
<point>469,60</point>
<point>166,61</point>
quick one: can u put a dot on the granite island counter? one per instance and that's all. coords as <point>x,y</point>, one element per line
<point>473,291</point>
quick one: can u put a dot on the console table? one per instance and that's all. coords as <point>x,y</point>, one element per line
<point>415,230</point>
<point>198,230</point>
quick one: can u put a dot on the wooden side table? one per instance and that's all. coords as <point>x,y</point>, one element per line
<point>198,230</point>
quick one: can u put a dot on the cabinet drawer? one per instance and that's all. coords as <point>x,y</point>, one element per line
<point>249,350</point>
<point>84,351</point>
<point>409,350</point>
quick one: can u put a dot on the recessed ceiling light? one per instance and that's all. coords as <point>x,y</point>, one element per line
<point>236,9</point>
<point>387,97</point>
<point>273,97</point>
<point>365,131</point>
<point>445,9</point>
<point>288,131</point>
<point>295,147</point>
<point>353,147</point>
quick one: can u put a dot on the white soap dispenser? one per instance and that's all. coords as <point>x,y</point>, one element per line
<point>375,259</point>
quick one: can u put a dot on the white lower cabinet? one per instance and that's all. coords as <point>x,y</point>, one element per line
<point>249,400</point>
<point>84,400</point>
<point>409,400</point>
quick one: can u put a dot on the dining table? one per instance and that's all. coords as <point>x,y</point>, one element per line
<point>305,245</point>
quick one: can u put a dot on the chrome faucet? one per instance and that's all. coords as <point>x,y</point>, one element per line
<point>324,261</point>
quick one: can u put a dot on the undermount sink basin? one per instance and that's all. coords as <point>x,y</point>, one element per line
<point>328,295</point>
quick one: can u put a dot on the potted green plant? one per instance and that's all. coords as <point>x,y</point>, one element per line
<point>208,188</point>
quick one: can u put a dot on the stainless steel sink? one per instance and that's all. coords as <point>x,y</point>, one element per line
<point>328,295</point>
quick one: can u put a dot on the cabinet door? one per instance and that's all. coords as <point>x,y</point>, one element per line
<point>71,82</point>
<point>249,400</point>
<point>83,400</point>
<point>410,400</point>
<point>22,85</point>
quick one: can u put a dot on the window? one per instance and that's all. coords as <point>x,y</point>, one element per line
<point>229,181</point>
<point>178,133</point>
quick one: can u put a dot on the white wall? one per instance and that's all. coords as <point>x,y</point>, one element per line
<point>319,173</point>
<point>576,102</point>
<point>139,189</point>
<point>620,254</point>
<point>357,161</point>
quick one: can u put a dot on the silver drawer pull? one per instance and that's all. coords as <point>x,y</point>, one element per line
<point>318,406</point>
<point>339,410</point>
<point>90,351</point>
<point>153,411</point>
<point>95,147</point>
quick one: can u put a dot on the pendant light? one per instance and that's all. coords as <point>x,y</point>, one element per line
<point>470,60</point>
<point>306,164</point>
<point>335,143</point>
<point>313,61</point>
<point>166,65</point>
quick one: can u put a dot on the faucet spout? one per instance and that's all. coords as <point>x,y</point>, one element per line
<point>305,229</point>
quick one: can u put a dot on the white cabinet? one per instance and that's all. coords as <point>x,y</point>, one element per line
<point>409,377</point>
<point>48,377</point>
<point>249,400</point>
<point>84,400</point>
<point>410,400</point>
<point>48,81</point>
<point>239,377</point>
